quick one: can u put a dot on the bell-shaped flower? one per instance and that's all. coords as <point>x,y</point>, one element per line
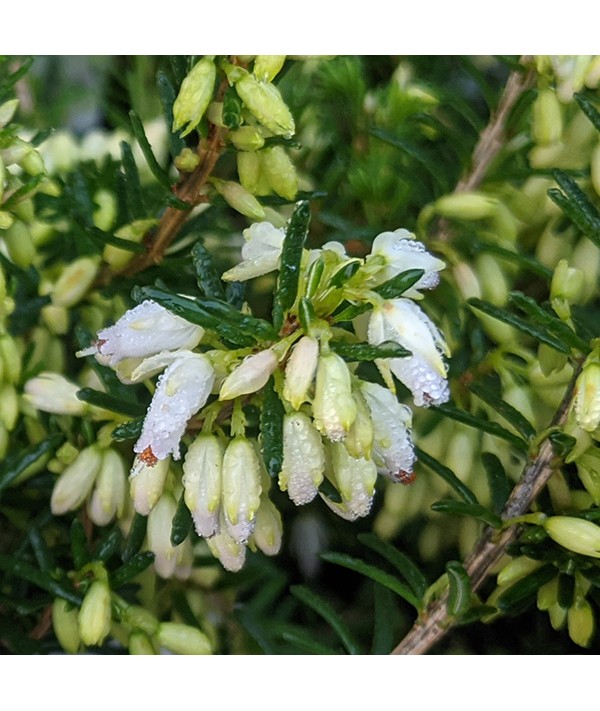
<point>355,481</point>
<point>182,390</point>
<point>108,496</point>
<point>334,408</point>
<point>241,477</point>
<point>359,440</point>
<point>146,483</point>
<point>424,372</point>
<point>202,471</point>
<point>52,392</point>
<point>402,252</point>
<point>160,522</point>
<point>231,553</point>
<point>393,451</point>
<point>260,253</point>
<point>76,481</point>
<point>303,458</point>
<point>251,375</point>
<point>143,331</point>
<point>95,614</point>
<point>300,371</point>
<point>268,530</point>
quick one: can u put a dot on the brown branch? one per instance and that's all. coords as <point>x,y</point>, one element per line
<point>492,137</point>
<point>434,624</point>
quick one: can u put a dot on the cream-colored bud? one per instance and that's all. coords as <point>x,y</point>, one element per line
<point>194,95</point>
<point>355,480</point>
<point>108,496</point>
<point>52,392</point>
<point>7,111</point>
<point>595,168</point>
<point>265,103</point>
<point>279,171</point>
<point>268,529</point>
<point>19,244</point>
<point>183,639</point>
<point>106,209</point>
<point>202,471</point>
<point>334,408</point>
<point>580,623</point>
<point>567,283</point>
<point>32,163</point>
<point>247,138</point>
<point>160,523</point>
<point>76,481</point>
<point>466,281</point>
<point>65,625</point>
<point>140,618</point>
<point>230,553</point>
<point>587,393</point>
<point>267,66</point>
<point>359,440</point>
<point>7,219</point>
<point>140,643</point>
<point>546,123</point>
<point>574,534</point>
<point>249,170</point>
<point>466,206</point>
<point>303,458</point>
<point>75,280</point>
<point>11,356</point>
<point>187,161</point>
<point>9,406</point>
<point>240,199</point>
<point>95,614</point>
<point>241,477</point>
<point>494,286</point>
<point>516,569</point>
<point>300,371</point>
<point>146,484</point>
<point>251,375</point>
<point>588,471</point>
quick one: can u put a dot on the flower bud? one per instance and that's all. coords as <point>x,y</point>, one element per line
<point>266,105</point>
<point>251,375</point>
<point>303,459</point>
<point>588,471</point>
<point>300,371</point>
<point>160,523</point>
<point>466,206</point>
<point>146,484</point>
<point>75,280</point>
<point>268,530</point>
<point>334,408</point>
<point>567,283</point>
<point>95,614</point>
<point>240,199</point>
<point>574,534</point>
<point>65,625</point>
<point>279,171</point>
<point>247,138</point>
<point>19,244</point>
<point>516,569</point>
<point>546,124</point>
<point>106,209</point>
<point>11,359</point>
<point>249,167</point>
<point>595,168</point>
<point>76,481</point>
<point>140,618</point>
<point>194,95</point>
<point>241,476</point>
<point>32,163</point>
<point>9,406</point>
<point>140,643</point>
<point>52,392</point>
<point>355,480</point>
<point>359,440</point>
<point>7,111</point>
<point>108,496</point>
<point>494,286</point>
<point>183,639</point>
<point>187,161</point>
<point>202,470</point>
<point>7,219</point>
<point>230,553</point>
<point>268,66</point>
<point>260,252</point>
<point>587,393</point>
<point>580,623</point>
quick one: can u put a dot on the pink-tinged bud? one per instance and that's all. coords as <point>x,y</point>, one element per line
<point>424,372</point>
<point>202,471</point>
<point>194,95</point>
<point>303,459</point>
<point>95,614</point>
<point>146,484</point>
<point>355,480</point>
<point>266,105</point>
<point>241,476</point>
<point>108,496</point>
<point>393,451</point>
<point>182,390</point>
<point>75,483</point>
<point>142,331</point>
<point>52,392</point>
<point>300,371</point>
<point>334,408</point>
<point>587,393</point>
<point>250,376</point>
<point>574,534</point>
<point>183,639</point>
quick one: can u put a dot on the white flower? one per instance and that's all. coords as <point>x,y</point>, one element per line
<point>108,497</point>
<point>76,481</point>
<point>231,553</point>
<point>424,372</point>
<point>160,521</point>
<point>303,458</point>
<point>143,331</point>
<point>334,408</point>
<point>401,253</point>
<point>268,530</point>
<point>393,451</point>
<point>146,483</point>
<point>355,480</point>
<point>260,252</point>
<point>182,390</point>
<point>202,470</point>
<point>241,476</point>
<point>251,375</point>
<point>300,371</point>
<point>52,392</point>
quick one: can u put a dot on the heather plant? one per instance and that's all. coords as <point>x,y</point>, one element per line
<point>301,355</point>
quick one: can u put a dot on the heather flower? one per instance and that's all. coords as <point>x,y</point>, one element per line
<point>251,375</point>
<point>202,470</point>
<point>260,252</point>
<point>303,459</point>
<point>334,408</point>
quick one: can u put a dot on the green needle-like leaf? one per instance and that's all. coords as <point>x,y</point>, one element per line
<point>524,590</point>
<point>182,523</point>
<point>364,351</point>
<point>447,475</point>
<point>508,412</point>
<point>135,539</point>
<point>411,573</point>
<point>209,281</point>
<point>15,464</point>
<point>271,429</point>
<point>499,483</point>
<point>134,566</point>
<point>462,508</point>
<point>110,402</point>
<point>140,134</point>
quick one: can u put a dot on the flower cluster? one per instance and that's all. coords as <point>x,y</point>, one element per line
<point>337,431</point>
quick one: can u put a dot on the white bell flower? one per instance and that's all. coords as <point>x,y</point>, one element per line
<point>202,470</point>
<point>260,253</point>
<point>241,481</point>
<point>300,371</point>
<point>182,390</point>
<point>251,375</point>
<point>303,458</point>
<point>143,331</point>
<point>52,392</point>
<point>355,480</point>
<point>334,408</point>
<point>402,252</point>
<point>424,372</point>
